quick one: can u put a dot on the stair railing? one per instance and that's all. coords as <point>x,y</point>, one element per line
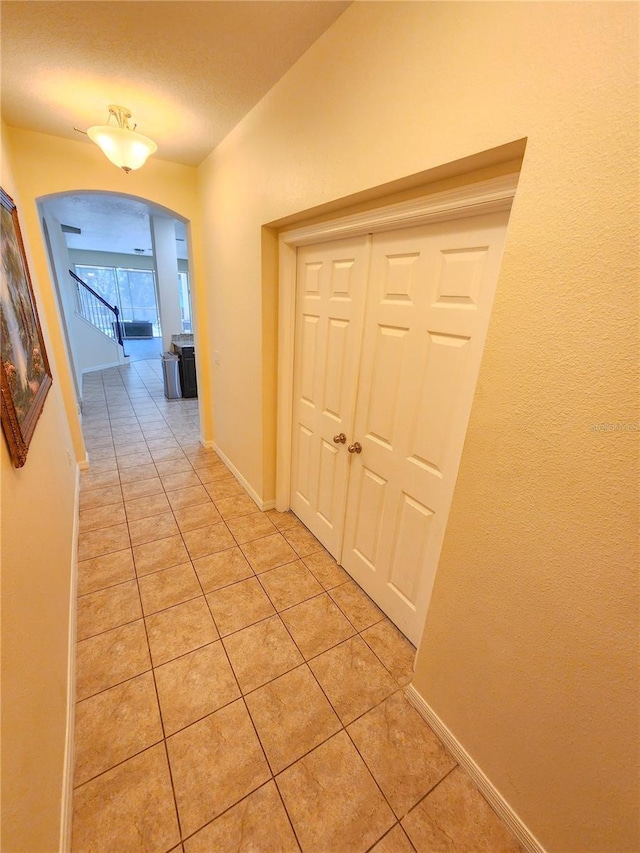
<point>97,311</point>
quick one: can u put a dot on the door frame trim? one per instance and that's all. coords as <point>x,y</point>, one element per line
<point>482,197</point>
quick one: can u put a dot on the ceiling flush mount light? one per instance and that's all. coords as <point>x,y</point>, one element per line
<point>122,145</point>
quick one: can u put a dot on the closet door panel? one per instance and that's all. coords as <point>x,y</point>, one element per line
<point>330,299</point>
<point>429,299</point>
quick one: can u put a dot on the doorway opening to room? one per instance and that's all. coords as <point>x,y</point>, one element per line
<point>121,270</point>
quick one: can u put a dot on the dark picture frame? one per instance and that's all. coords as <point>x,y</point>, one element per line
<point>25,377</point>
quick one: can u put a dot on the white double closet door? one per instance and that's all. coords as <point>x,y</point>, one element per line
<point>389,335</point>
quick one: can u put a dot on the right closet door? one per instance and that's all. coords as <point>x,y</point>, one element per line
<point>428,300</point>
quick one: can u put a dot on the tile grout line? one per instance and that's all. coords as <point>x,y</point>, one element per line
<point>304,662</point>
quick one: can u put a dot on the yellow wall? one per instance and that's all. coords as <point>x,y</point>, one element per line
<point>37,547</point>
<point>38,500</point>
<point>526,654</point>
<point>46,165</point>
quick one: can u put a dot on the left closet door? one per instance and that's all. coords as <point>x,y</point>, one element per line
<point>330,303</point>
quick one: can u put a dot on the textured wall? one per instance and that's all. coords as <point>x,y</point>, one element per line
<point>46,165</point>
<point>37,543</point>
<point>528,654</point>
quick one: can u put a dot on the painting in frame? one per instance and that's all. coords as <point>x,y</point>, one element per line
<point>25,378</point>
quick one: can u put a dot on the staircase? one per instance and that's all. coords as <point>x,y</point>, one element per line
<point>96,310</point>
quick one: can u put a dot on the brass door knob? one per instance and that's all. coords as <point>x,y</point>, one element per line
<point>356,447</point>
<point>340,439</point>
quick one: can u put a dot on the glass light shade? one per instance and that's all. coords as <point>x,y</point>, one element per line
<point>125,148</point>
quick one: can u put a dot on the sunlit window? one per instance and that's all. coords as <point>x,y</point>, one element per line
<point>133,291</point>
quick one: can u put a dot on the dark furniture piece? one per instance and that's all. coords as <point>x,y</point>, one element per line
<point>137,329</point>
<point>187,366</point>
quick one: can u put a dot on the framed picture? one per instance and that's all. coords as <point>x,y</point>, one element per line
<point>25,378</point>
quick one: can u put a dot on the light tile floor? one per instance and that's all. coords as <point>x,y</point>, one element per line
<point>236,691</point>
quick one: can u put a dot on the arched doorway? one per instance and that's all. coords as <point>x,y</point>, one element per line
<point>132,253</point>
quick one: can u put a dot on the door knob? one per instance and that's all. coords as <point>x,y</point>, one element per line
<point>340,439</point>
<point>356,447</point>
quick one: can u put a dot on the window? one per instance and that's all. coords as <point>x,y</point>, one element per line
<point>133,291</point>
<point>185,301</point>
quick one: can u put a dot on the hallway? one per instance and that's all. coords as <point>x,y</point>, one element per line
<point>236,690</point>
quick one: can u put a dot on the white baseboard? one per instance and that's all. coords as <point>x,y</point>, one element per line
<point>208,444</point>
<point>495,799</point>
<point>262,505</point>
<point>66,817</point>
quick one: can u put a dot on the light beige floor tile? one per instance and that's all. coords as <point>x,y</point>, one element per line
<point>133,460</point>
<point>102,453</point>
<point>142,489</point>
<point>161,443</point>
<point>353,678</point>
<point>128,809</point>
<point>102,466</point>
<point>90,480</point>
<point>289,584</point>
<point>257,824</point>
<point>268,553</point>
<point>154,432</point>
<point>138,473</point>
<point>183,480</point>
<point>100,517</point>
<point>110,658</point>
<point>356,606</point>
<point>325,569</point>
<point>395,841</point>
<point>301,540</point>
<point>393,649</point>
<point>208,540</point>
<point>107,608</point>
<point>147,506</point>
<point>108,570</point>
<point>144,530</point>
<point>401,751</point>
<point>96,443</point>
<point>282,520</point>
<point>195,685</point>
<point>114,725</point>
<point>169,454</point>
<point>236,506</point>
<point>234,607</point>
<point>247,528</point>
<point>173,466</point>
<point>317,625</point>
<point>131,448</point>
<point>166,588</point>
<point>214,763</point>
<point>154,556</point>
<point>95,543</point>
<point>105,496</point>
<point>261,653</point>
<point>188,497</point>
<point>211,474</point>
<point>292,717</point>
<point>193,517</point>
<point>224,488</point>
<point>226,567</point>
<point>180,630</point>
<point>332,800</point>
<point>202,456</point>
<point>456,817</point>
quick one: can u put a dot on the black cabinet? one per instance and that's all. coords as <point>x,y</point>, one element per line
<point>187,366</point>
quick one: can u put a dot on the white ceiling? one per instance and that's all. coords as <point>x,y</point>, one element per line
<point>189,71</point>
<point>110,223</point>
